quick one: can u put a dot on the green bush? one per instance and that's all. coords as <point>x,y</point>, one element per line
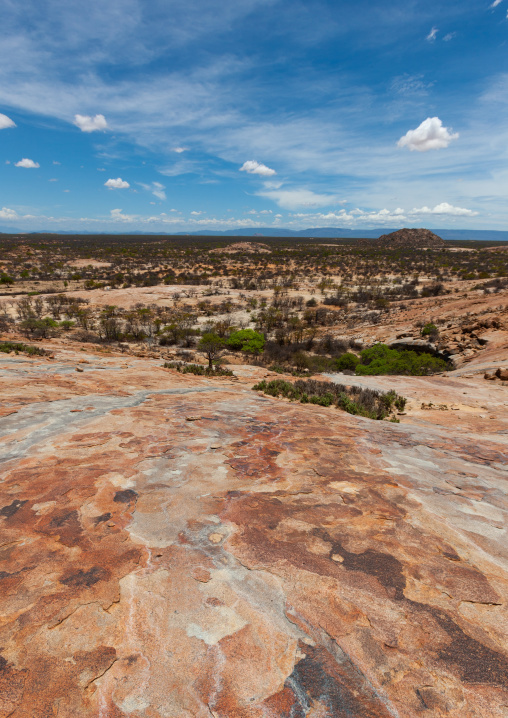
<point>346,361</point>
<point>429,329</point>
<point>380,359</point>
<point>67,324</point>
<point>246,340</point>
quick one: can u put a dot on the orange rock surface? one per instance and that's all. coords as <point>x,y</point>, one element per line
<point>264,559</point>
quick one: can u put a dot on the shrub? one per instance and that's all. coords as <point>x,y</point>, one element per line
<point>247,340</point>
<point>17,347</point>
<point>197,369</point>
<point>380,359</point>
<point>353,399</point>
<point>430,330</point>
<point>67,324</point>
<point>346,361</point>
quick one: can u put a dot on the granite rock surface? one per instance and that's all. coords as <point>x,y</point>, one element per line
<point>173,546</point>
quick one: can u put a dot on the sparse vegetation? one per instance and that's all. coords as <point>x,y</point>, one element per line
<point>352,399</point>
<point>198,369</point>
<point>18,347</point>
<point>306,305</point>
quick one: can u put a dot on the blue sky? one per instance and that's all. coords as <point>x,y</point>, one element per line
<point>164,115</point>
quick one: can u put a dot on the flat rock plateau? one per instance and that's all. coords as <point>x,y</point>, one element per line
<point>183,547</point>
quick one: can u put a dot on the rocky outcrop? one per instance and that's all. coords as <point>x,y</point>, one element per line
<point>245,247</point>
<point>178,546</point>
<point>499,373</point>
<point>412,238</point>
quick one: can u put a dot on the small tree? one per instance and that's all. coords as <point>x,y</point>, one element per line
<point>212,346</point>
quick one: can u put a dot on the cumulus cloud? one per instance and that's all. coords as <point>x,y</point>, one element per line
<point>6,213</point>
<point>27,164</point>
<point>432,34</point>
<point>116,214</point>
<point>179,150</point>
<point>6,122</point>
<point>295,198</point>
<point>430,135</point>
<point>196,213</point>
<point>256,168</point>
<point>117,183</point>
<point>90,124</point>
<point>445,208</point>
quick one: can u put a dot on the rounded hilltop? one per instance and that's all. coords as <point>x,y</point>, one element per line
<point>406,237</point>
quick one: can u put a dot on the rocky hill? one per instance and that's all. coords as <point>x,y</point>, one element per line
<point>180,546</point>
<point>417,238</point>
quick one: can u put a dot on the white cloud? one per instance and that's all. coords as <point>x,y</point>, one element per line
<point>256,168</point>
<point>6,122</point>
<point>156,188</point>
<point>449,36</point>
<point>116,214</point>
<point>432,34</point>
<point>430,135</point>
<point>27,164</point>
<point>446,209</point>
<point>6,213</point>
<point>410,85</point>
<point>179,150</point>
<point>496,3</point>
<point>118,183</point>
<point>53,179</point>
<point>55,162</point>
<point>90,124</point>
<point>196,213</point>
<point>295,198</point>
<point>354,218</point>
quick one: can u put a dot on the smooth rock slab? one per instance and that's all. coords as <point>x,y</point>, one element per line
<point>310,564</point>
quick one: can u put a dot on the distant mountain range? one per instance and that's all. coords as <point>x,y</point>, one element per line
<point>486,235</point>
